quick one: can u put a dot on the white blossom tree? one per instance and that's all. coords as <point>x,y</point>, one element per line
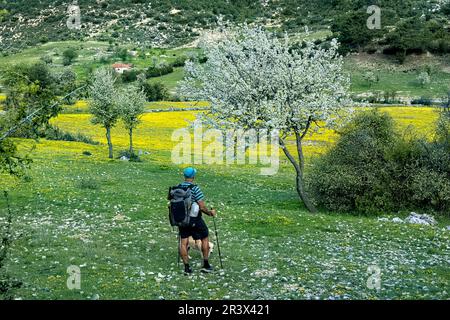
<point>131,102</point>
<point>254,80</point>
<point>102,103</point>
<point>424,79</point>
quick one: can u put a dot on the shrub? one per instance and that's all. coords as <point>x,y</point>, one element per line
<point>370,78</point>
<point>179,61</point>
<point>351,177</point>
<point>374,169</point>
<point>88,183</point>
<point>158,71</point>
<point>423,101</point>
<point>155,91</point>
<point>47,59</point>
<point>69,55</point>
<point>129,76</point>
<point>54,133</point>
<point>133,157</point>
<point>423,79</point>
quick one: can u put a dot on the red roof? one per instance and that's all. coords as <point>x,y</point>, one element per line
<point>121,65</point>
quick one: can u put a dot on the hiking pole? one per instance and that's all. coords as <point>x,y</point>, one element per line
<point>179,244</point>
<point>217,240</point>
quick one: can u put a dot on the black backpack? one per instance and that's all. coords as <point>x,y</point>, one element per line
<point>180,198</point>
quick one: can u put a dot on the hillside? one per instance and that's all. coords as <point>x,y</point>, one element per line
<point>393,79</point>
<point>174,22</point>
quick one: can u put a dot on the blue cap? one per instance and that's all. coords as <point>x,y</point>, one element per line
<point>189,173</point>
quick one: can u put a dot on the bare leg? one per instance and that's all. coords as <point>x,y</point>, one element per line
<point>205,248</point>
<point>184,250</point>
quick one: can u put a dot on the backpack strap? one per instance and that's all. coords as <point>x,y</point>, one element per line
<point>188,187</point>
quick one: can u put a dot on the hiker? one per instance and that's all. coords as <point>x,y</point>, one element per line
<point>193,226</point>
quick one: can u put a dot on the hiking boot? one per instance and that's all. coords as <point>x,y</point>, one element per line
<point>187,270</point>
<point>207,268</point>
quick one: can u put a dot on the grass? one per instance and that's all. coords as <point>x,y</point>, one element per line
<point>170,80</point>
<point>393,77</point>
<point>404,83</point>
<point>55,50</point>
<point>2,100</point>
<point>90,52</point>
<point>82,106</point>
<point>163,105</point>
<point>155,132</point>
<point>400,78</point>
<point>110,218</point>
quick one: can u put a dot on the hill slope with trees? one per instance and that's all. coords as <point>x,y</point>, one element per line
<point>406,26</point>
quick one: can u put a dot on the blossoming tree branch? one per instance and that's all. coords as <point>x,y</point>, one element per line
<point>255,80</point>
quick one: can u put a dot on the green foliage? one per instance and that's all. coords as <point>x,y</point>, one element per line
<point>370,78</point>
<point>155,91</point>
<point>351,177</point>
<point>348,18</point>
<point>122,54</point>
<point>373,169</point>
<point>179,61</point>
<point>102,97</point>
<point>69,55</point>
<point>352,31</point>
<point>35,88</point>
<point>131,155</point>
<point>47,59</point>
<point>11,162</point>
<point>88,183</point>
<point>129,76</point>
<point>423,79</point>
<point>54,133</point>
<point>159,70</point>
<point>7,283</point>
<point>416,35</point>
<point>131,103</point>
<point>102,103</point>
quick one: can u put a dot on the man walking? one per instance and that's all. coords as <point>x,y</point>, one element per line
<point>197,229</point>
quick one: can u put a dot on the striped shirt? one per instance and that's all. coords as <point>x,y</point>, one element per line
<point>197,193</point>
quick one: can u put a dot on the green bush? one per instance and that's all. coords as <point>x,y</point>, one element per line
<point>158,71</point>
<point>133,157</point>
<point>155,91</point>
<point>129,76</point>
<point>54,133</point>
<point>372,168</point>
<point>179,61</point>
<point>352,175</point>
<point>88,183</point>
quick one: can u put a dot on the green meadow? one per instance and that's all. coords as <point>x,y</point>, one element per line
<point>109,217</point>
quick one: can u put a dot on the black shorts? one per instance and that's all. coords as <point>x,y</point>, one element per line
<point>198,230</point>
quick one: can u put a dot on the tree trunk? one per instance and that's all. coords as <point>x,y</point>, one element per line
<point>131,141</point>
<point>298,165</point>
<point>303,195</point>
<point>110,146</point>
